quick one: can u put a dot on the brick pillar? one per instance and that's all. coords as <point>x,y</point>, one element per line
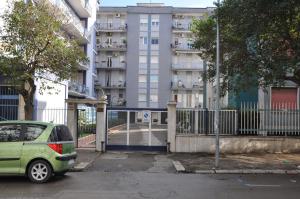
<point>172,126</point>
<point>101,126</point>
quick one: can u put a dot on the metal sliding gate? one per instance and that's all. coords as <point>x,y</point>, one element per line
<point>136,129</point>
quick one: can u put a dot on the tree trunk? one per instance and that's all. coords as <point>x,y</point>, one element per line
<point>28,92</point>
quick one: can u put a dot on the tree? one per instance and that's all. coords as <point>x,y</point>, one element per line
<point>260,43</point>
<point>34,45</point>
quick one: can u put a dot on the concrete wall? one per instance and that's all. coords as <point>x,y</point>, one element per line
<point>235,145</point>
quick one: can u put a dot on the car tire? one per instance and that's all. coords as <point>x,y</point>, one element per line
<point>39,171</point>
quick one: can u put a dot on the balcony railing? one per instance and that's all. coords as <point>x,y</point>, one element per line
<point>188,66</point>
<point>115,46</point>
<point>72,17</point>
<point>112,84</point>
<point>182,27</point>
<point>114,66</point>
<point>184,47</point>
<point>78,88</point>
<point>111,27</point>
<point>180,85</point>
<point>117,102</point>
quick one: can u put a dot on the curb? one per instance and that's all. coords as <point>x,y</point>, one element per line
<point>81,166</point>
<point>180,169</point>
<point>247,171</point>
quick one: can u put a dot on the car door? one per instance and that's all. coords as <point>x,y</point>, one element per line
<point>10,148</point>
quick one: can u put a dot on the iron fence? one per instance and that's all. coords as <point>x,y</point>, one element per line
<point>9,101</point>
<point>53,115</point>
<point>282,119</point>
<point>201,121</point>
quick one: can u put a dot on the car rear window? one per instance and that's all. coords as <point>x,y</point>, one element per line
<point>10,133</point>
<point>33,131</point>
<point>60,134</point>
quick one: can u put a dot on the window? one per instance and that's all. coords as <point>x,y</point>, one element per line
<point>142,78</point>
<point>155,22</point>
<point>154,41</point>
<point>144,40</point>
<point>142,97</point>
<point>154,59</point>
<point>154,78</point>
<point>10,133</point>
<point>32,132</point>
<point>60,133</point>
<point>153,98</point>
<point>143,59</point>
<point>144,22</point>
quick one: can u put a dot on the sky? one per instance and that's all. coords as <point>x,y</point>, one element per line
<point>175,3</point>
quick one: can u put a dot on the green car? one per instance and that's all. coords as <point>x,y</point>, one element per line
<point>35,149</point>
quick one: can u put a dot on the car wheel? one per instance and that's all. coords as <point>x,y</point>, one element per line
<point>39,171</point>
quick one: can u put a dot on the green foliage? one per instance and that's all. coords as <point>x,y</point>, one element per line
<point>260,43</point>
<point>35,47</point>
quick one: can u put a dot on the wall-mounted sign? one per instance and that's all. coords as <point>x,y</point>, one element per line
<point>146,116</point>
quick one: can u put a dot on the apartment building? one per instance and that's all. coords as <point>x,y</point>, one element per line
<point>81,17</point>
<point>145,56</point>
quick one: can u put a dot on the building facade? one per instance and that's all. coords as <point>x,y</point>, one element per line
<point>146,58</point>
<point>80,16</point>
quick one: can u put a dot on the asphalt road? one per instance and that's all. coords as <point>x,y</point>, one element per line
<point>119,175</point>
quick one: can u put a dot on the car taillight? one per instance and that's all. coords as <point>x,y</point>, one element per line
<point>56,147</point>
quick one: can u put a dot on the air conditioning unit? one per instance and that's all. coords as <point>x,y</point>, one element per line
<point>118,15</point>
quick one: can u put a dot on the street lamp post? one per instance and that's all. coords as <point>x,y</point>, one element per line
<point>217,108</point>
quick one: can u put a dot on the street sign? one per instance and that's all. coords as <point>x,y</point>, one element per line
<point>146,116</point>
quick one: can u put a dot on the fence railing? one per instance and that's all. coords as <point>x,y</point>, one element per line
<point>201,121</point>
<point>9,102</point>
<point>251,119</point>
<point>279,119</point>
<point>53,115</point>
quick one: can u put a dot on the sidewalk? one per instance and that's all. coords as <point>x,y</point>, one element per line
<point>85,157</point>
<point>244,163</point>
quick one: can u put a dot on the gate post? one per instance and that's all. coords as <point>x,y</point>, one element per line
<point>172,126</point>
<point>101,126</point>
<point>72,120</point>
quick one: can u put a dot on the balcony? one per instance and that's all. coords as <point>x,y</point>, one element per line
<point>82,7</point>
<point>184,48</point>
<point>77,89</point>
<point>114,66</point>
<point>185,86</point>
<point>117,102</point>
<point>111,85</point>
<point>181,28</point>
<point>188,67</point>
<point>111,27</point>
<point>85,65</point>
<point>72,23</point>
<point>115,46</point>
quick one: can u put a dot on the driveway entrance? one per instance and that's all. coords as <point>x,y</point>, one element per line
<point>136,129</point>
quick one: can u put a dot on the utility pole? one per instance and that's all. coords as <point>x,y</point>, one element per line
<point>217,106</point>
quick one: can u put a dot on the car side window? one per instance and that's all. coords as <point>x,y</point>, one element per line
<point>53,135</point>
<point>10,133</point>
<point>33,132</point>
